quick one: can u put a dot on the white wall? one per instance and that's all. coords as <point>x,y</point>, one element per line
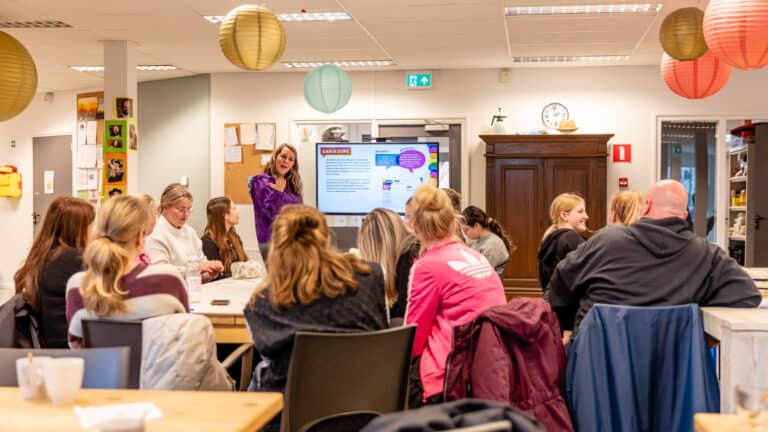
<point>39,119</point>
<point>621,100</point>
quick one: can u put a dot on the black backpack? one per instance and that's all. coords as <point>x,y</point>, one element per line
<point>18,325</point>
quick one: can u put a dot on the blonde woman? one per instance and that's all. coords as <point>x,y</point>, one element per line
<point>384,239</point>
<point>309,287</point>
<point>450,285</point>
<point>568,216</point>
<point>116,285</point>
<point>625,207</point>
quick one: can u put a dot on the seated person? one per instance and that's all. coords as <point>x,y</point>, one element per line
<point>220,239</point>
<point>117,285</point>
<point>450,285</point>
<point>624,208</point>
<point>309,287</point>
<point>173,241</point>
<point>55,255</point>
<point>656,261</point>
<point>486,236</point>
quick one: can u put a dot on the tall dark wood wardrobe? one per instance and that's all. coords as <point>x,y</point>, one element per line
<point>523,174</point>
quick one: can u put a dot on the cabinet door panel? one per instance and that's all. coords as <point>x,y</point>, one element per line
<point>585,177</point>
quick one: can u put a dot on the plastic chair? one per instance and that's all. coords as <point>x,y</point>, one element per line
<point>105,368</point>
<point>337,373</point>
<point>110,333</point>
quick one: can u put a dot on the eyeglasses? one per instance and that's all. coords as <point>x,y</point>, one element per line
<point>183,210</point>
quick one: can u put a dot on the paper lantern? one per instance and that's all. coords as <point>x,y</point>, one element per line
<point>695,79</point>
<point>18,77</point>
<point>327,88</point>
<point>251,37</point>
<point>681,34</point>
<point>736,31</point>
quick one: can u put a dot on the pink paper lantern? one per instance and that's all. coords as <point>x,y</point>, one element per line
<point>695,79</point>
<point>736,31</point>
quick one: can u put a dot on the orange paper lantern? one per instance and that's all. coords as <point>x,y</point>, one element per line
<point>736,31</point>
<point>695,79</point>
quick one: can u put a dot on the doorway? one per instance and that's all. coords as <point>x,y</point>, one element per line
<point>51,173</point>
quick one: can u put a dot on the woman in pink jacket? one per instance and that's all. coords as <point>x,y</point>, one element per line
<point>450,285</point>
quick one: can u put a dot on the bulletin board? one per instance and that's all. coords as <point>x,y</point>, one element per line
<point>236,174</point>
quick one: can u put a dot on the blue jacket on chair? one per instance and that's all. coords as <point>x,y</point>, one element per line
<point>640,369</point>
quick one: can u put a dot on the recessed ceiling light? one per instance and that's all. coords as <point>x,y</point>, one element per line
<point>628,8</point>
<point>572,59</point>
<point>342,64</point>
<point>296,17</point>
<point>139,67</point>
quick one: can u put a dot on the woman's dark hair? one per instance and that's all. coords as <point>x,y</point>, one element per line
<point>475,215</point>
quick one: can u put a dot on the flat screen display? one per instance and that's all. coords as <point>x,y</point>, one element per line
<point>355,178</point>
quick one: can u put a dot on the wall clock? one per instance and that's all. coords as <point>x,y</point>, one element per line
<point>553,114</point>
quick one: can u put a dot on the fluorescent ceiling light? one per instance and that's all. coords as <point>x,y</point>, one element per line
<point>572,59</point>
<point>139,67</point>
<point>296,17</point>
<point>628,8</point>
<point>342,64</point>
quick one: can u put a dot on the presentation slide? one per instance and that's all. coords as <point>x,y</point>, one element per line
<point>355,178</point>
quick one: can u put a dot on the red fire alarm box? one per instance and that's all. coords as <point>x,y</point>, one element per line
<point>623,182</point>
<point>622,152</point>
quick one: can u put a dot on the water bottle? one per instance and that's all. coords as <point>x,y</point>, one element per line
<point>194,281</point>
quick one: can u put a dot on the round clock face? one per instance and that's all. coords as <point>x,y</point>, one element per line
<point>553,114</point>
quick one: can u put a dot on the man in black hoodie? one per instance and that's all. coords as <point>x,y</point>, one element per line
<point>656,261</point>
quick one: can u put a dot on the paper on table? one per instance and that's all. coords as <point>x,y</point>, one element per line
<point>90,133</point>
<point>247,133</point>
<point>266,138</point>
<point>87,156</point>
<point>230,136</point>
<point>91,416</point>
<point>233,154</point>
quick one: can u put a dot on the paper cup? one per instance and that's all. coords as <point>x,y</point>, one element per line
<point>63,379</point>
<point>29,377</point>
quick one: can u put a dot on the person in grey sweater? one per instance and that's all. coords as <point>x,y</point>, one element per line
<point>657,261</point>
<point>486,236</point>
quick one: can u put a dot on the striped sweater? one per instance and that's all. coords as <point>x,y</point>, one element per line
<point>152,290</point>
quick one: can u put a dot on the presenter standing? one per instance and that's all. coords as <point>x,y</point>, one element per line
<point>280,184</point>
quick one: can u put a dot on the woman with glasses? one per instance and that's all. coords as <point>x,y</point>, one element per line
<point>173,241</point>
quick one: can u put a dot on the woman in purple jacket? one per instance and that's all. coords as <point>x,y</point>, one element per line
<point>280,184</point>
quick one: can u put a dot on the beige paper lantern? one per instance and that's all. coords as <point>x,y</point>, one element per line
<point>682,35</point>
<point>18,77</point>
<point>251,37</point>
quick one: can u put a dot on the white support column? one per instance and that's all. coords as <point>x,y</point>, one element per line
<point>120,81</point>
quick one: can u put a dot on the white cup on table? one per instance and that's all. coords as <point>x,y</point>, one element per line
<point>29,376</point>
<point>63,379</point>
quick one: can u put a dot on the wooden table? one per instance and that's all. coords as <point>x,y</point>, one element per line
<point>228,321</point>
<point>743,337</point>
<point>182,410</point>
<point>706,422</point>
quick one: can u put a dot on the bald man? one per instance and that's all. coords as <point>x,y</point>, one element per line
<point>657,261</point>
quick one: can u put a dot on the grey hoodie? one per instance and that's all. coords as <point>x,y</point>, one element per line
<point>653,262</point>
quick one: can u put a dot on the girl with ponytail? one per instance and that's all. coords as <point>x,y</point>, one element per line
<point>310,286</point>
<point>116,284</point>
<point>486,236</point>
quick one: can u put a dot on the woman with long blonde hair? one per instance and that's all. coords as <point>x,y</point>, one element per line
<point>625,207</point>
<point>221,242</point>
<point>116,284</point>
<point>55,255</point>
<point>568,217</point>
<point>310,286</point>
<point>384,239</point>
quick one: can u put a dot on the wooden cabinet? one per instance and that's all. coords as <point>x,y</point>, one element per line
<point>523,174</point>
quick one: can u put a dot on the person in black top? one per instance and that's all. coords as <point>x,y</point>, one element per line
<point>384,239</point>
<point>309,287</point>
<point>568,216</point>
<point>656,261</point>
<point>55,255</point>
<point>220,239</point>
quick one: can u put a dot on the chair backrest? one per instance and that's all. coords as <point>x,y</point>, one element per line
<point>332,373</point>
<point>640,368</point>
<point>110,333</point>
<point>105,368</point>
<point>497,426</point>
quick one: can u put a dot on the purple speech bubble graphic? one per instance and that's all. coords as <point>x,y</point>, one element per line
<point>411,159</point>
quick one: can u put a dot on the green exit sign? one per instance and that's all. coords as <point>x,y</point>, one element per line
<point>418,80</point>
<point>677,149</point>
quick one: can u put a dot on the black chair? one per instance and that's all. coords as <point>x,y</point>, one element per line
<point>105,368</point>
<point>336,376</point>
<point>99,333</point>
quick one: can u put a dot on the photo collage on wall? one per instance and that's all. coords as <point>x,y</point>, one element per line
<point>120,137</point>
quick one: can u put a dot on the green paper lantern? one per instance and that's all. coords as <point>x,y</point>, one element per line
<point>327,88</point>
<point>18,77</point>
<point>681,34</point>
